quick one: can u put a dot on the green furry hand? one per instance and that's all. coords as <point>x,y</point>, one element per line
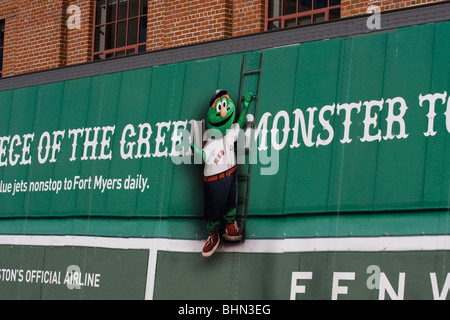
<point>241,120</point>
<point>248,98</point>
<point>198,151</point>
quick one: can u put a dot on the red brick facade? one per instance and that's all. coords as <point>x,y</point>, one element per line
<point>357,7</point>
<point>37,36</point>
<point>248,16</point>
<point>181,22</point>
<point>79,41</point>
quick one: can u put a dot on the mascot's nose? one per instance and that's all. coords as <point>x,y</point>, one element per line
<point>223,112</point>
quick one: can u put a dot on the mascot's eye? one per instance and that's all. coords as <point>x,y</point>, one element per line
<point>220,105</point>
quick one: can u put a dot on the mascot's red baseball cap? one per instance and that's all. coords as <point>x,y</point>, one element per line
<point>219,93</point>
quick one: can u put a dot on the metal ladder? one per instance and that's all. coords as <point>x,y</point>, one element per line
<point>250,83</point>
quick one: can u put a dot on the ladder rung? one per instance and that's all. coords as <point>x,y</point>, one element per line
<point>254,71</point>
<point>255,97</point>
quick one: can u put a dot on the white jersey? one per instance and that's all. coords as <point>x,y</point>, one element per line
<point>219,153</point>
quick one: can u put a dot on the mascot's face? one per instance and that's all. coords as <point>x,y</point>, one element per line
<point>221,114</point>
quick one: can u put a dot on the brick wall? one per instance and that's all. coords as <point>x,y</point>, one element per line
<point>182,22</point>
<point>357,7</point>
<point>248,16</point>
<point>37,37</point>
<point>34,35</point>
<point>8,13</point>
<point>79,41</point>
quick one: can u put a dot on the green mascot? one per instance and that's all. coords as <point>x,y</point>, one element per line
<point>220,177</point>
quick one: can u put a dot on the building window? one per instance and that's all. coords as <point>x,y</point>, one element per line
<point>2,43</point>
<point>120,28</point>
<point>289,13</point>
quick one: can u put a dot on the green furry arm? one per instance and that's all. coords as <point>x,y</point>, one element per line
<point>198,151</point>
<point>243,116</point>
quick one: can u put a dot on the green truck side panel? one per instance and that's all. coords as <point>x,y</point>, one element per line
<point>334,189</point>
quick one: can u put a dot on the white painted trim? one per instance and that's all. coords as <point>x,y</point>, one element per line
<point>401,243</point>
<point>364,244</point>
<point>151,273</point>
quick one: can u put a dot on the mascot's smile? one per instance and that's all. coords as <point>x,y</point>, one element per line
<point>221,123</point>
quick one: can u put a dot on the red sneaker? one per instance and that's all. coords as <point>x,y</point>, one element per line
<point>233,232</point>
<point>211,244</point>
